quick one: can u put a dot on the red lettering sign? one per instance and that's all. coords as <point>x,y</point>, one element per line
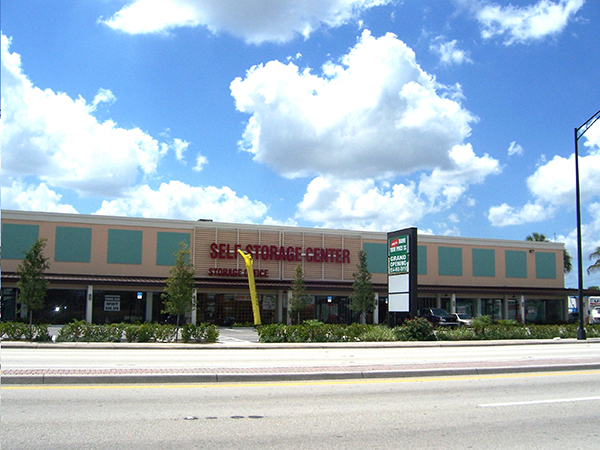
<point>275,253</point>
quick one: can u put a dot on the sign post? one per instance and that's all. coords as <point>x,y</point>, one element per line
<point>402,275</point>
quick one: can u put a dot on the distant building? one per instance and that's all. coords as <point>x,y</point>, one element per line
<point>111,269</point>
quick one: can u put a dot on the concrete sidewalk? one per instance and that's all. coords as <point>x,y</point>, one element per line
<point>163,375</point>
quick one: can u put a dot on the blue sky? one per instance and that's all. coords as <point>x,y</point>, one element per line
<point>454,116</point>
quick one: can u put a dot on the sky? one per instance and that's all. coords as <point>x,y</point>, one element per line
<point>453,116</point>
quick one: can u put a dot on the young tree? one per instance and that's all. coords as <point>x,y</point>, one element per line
<point>177,295</point>
<point>362,298</point>
<point>32,284</point>
<point>299,299</point>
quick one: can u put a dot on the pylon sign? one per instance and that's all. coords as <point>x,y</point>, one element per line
<point>402,273</point>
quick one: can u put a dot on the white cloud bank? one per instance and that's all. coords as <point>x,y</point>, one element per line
<point>253,21</point>
<point>518,25</point>
<point>177,200</point>
<point>53,144</point>
<point>375,114</point>
<point>362,122</point>
<point>552,185</point>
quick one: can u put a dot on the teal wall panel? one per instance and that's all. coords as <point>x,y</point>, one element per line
<point>124,247</point>
<point>484,262</point>
<point>376,257</point>
<point>17,239</point>
<point>73,244</point>
<point>516,264</point>
<point>422,260</point>
<point>167,244</point>
<point>450,261</point>
<point>545,265</point>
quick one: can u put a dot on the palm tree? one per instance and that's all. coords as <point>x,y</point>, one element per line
<point>537,237</point>
<point>567,265</point>
<point>596,265</point>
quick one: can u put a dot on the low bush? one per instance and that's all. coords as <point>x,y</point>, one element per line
<point>417,329</point>
<point>16,331</point>
<point>379,333</point>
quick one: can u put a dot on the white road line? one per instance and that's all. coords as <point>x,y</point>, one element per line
<point>540,402</point>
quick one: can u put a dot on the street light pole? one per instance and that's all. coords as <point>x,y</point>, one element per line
<point>579,132</point>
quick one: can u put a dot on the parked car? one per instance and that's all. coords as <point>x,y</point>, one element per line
<point>439,317</point>
<point>573,317</point>
<point>463,320</point>
<point>595,315</point>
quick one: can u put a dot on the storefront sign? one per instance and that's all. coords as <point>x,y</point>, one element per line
<point>281,253</point>
<point>112,303</point>
<point>258,273</point>
<point>402,275</point>
<point>398,255</point>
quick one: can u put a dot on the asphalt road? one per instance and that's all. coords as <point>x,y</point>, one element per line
<point>512,411</point>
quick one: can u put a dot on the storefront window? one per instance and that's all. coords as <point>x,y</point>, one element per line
<point>9,305</point>
<point>63,306</point>
<point>119,306</point>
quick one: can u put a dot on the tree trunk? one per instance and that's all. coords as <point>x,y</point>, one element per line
<point>30,324</point>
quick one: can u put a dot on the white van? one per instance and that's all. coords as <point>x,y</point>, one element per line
<point>595,315</point>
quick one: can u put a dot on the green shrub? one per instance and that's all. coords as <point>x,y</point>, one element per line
<point>72,332</point>
<point>456,334</point>
<point>15,331</point>
<point>417,329</point>
<point>211,333</point>
<point>165,333</point>
<point>202,332</point>
<point>480,323</point>
<point>378,333</point>
<point>40,333</point>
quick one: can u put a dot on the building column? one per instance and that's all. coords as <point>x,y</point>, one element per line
<point>477,307</point>
<point>438,301</point>
<point>453,304</point>
<point>89,304</point>
<point>149,301</point>
<point>376,310</point>
<point>522,308</point>
<point>289,297</point>
<point>194,308</point>
<point>279,306</point>
<point>505,308</point>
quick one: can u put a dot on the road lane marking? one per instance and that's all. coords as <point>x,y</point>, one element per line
<point>540,402</point>
<point>297,383</point>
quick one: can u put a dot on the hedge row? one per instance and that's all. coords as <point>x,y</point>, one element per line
<point>81,331</point>
<point>314,331</point>
<point>417,330</point>
<point>16,331</point>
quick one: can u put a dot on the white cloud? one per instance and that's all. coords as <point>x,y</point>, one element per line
<point>360,204</point>
<point>53,143</point>
<point>201,161</point>
<point>515,149</point>
<point>448,52</point>
<point>554,182</point>
<point>177,200</point>
<point>56,138</point>
<point>375,114</point>
<point>255,22</point>
<point>17,195</point>
<point>525,24</point>
<point>503,215</point>
<point>553,185</point>
<point>445,187</point>
<point>180,147</point>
